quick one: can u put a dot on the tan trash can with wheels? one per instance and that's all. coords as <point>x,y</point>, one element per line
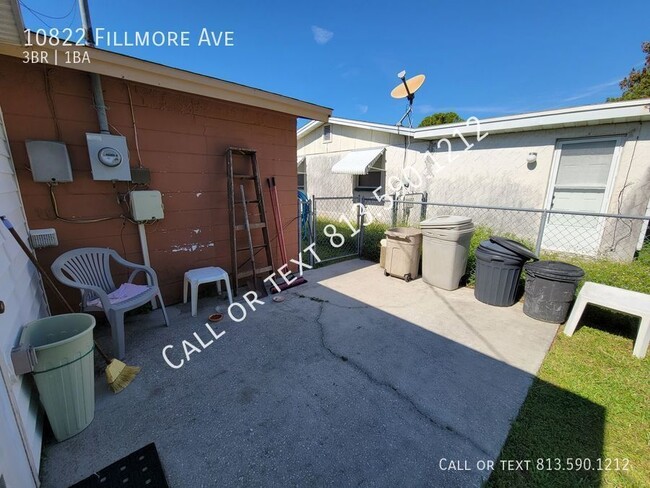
<point>382,253</point>
<point>403,252</point>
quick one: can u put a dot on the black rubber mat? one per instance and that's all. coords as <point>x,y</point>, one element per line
<point>140,469</point>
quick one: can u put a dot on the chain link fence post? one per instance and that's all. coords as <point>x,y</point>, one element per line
<point>313,231</point>
<point>540,233</point>
<point>361,222</point>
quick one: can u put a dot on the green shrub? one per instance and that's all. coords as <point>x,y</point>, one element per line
<point>634,275</point>
<point>481,233</point>
<point>372,235</point>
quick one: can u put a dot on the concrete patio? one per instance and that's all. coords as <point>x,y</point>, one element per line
<point>355,380</point>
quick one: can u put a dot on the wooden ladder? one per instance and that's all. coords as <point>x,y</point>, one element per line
<point>247,225</point>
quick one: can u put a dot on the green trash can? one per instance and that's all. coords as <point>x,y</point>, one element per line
<point>64,373</point>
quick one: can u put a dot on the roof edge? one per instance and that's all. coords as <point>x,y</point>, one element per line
<point>117,65</point>
<point>602,113</point>
<point>609,112</point>
<point>17,17</point>
<point>360,124</point>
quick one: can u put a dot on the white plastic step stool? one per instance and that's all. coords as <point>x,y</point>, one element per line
<point>200,276</point>
<point>626,301</point>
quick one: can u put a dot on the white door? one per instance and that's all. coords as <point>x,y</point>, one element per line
<point>22,297</point>
<point>581,182</point>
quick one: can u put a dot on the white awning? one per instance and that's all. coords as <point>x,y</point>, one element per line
<point>358,162</point>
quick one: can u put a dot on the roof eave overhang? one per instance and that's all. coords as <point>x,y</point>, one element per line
<point>610,113</point>
<point>359,124</point>
<point>133,69</point>
<point>12,27</point>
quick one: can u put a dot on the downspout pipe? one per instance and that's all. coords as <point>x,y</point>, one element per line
<point>95,79</point>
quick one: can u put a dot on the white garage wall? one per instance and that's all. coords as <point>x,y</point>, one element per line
<point>22,294</point>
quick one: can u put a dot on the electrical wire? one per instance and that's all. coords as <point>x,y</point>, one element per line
<point>135,128</point>
<point>53,17</point>
<point>620,198</point>
<point>37,16</point>
<point>55,207</point>
<point>72,19</point>
<point>50,101</point>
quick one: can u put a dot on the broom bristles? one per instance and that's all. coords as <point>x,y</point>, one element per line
<point>119,375</point>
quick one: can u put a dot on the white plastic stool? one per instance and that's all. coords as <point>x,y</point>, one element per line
<point>199,276</point>
<point>626,301</point>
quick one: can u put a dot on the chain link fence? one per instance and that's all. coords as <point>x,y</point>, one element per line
<point>554,232</point>
<point>336,228</point>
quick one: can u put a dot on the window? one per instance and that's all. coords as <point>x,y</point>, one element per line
<point>369,182</point>
<point>302,174</point>
<point>327,133</point>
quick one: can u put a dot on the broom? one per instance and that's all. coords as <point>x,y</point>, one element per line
<point>291,279</point>
<point>118,374</point>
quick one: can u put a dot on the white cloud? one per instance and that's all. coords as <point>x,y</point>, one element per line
<point>593,90</point>
<point>321,36</point>
<point>425,109</point>
<point>362,108</point>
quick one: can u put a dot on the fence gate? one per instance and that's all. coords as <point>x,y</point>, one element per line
<point>336,228</point>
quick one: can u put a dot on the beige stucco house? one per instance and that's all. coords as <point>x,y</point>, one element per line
<point>593,158</point>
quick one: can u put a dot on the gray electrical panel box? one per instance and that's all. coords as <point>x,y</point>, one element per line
<point>49,161</point>
<point>146,205</point>
<point>109,157</point>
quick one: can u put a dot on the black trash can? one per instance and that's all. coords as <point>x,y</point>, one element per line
<point>499,262</point>
<point>550,290</point>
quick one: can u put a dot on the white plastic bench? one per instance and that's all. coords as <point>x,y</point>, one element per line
<point>626,301</point>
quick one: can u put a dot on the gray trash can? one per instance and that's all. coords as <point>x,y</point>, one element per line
<point>550,290</point>
<point>64,373</point>
<point>445,246</point>
<point>499,262</point>
<point>403,252</point>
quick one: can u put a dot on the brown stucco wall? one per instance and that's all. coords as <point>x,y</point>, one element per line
<point>182,140</point>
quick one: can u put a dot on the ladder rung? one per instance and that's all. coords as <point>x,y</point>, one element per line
<point>260,225</point>
<point>244,177</point>
<point>254,247</point>
<point>248,201</point>
<point>246,274</point>
<point>242,151</point>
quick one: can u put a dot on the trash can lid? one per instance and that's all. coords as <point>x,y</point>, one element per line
<point>402,232</point>
<point>515,247</point>
<point>445,221</point>
<point>488,248</point>
<point>555,270</point>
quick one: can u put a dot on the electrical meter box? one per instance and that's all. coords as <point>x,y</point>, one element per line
<point>146,205</point>
<point>109,157</point>
<point>49,161</point>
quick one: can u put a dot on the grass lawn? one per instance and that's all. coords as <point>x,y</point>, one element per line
<point>590,400</point>
<point>326,247</point>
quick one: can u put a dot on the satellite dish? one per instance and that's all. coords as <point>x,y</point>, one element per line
<point>406,89</point>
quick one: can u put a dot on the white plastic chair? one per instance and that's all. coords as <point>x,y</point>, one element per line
<point>631,302</point>
<point>199,276</point>
<point>89,270</point>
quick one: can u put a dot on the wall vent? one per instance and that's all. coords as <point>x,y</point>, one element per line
<point>327,133</point>
<point>40,238</point>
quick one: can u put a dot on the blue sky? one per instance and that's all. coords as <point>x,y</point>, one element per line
<point>480,58</point>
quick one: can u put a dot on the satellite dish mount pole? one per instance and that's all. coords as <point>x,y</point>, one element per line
<point>409,96</point>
